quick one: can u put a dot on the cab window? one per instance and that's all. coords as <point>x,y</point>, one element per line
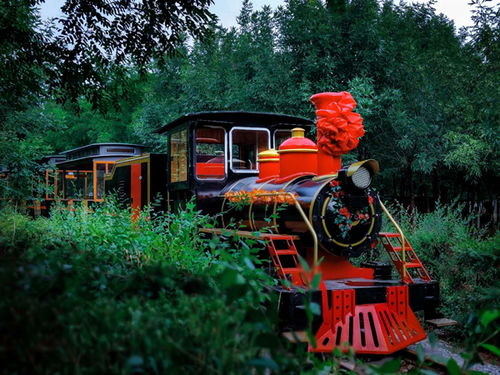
<point>245,147</point>
<point>178,156</point>
<point>50,184</point>
<point>280,136</point>
<point>79,184</point>
<point>210,155</point>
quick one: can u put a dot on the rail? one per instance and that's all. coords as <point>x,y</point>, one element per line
<point>304,217</point>
<point>403,238</point>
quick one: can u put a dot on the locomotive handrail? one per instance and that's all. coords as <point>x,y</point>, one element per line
<point>324,177</point>
<point>403,238</point>
<point>304,217</point>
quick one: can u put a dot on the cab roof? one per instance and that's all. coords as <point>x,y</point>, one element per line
<point>238,117</point>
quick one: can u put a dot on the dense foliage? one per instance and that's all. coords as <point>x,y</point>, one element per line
<point>95,293</point>
<point>88,54</point>
<point>92,292</point>
<point>462,258</point>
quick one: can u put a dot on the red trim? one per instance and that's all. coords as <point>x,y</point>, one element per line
<point>292,176</point>
<point>210,170</point>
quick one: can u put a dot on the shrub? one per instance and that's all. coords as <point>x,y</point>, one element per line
<point>92,292</point>
<point>464,261</point>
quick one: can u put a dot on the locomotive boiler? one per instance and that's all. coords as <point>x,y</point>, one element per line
<point>261,177</point>
<point>344,211</point>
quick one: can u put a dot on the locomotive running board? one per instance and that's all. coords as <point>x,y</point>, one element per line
<point>379,328</point>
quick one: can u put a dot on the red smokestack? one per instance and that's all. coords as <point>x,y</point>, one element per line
<point>338,128</point>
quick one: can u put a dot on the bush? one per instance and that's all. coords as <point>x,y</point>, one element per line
<point>92,292</point>
<point>464,261</point>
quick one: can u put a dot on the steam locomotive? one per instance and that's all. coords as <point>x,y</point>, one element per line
<point>260,171</point>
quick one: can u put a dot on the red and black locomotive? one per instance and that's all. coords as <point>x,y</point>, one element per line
<point>260,171</point>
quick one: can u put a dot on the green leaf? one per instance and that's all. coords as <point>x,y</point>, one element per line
<point>432,339</point>
<point>390,366</point>
<point>488,316</point>
<point>427,372</point>
<point>304,264</point>
<point>467,356</point>
<point>337,352</point>
<point>249,263</point>
<point>316,281</point>
<point>315,309</point>
<point>231,277</point>
<point>492,348</point>
<point>453,368</point>
<point>420,353</point>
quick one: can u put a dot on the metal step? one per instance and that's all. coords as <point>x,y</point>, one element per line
<point>400,248</point>
<point>414,265</point>
<point>292,270</point>
<point>389,235</point>
<point>286,252</point>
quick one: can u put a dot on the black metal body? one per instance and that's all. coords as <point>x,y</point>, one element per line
<point>316,198</point>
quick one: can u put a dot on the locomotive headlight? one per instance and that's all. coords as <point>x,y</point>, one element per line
<point>358,175</point>
<point>362,178</point>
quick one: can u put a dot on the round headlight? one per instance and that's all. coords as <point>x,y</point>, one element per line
<point>361,178</point>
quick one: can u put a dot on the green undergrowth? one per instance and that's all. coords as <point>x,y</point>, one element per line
<point>93,293</point>
<point>464,259</point>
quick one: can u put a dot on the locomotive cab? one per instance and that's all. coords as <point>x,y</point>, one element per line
<point>202,153</point>
<point>208,151</point>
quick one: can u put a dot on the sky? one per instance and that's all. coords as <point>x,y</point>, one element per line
<point>228,10</point>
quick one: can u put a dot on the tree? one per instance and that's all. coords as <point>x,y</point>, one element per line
<point>94,41</point>
<point>91,52</point>
<point>428,95</point>
<point>421,87</point>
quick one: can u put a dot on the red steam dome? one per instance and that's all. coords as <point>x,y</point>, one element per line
<point>298,155</point>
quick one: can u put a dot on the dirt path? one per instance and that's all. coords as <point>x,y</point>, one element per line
<point>442,352</point>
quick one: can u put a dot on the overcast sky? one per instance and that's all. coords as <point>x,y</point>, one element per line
<point>228,10</point>
<point>457,10</point>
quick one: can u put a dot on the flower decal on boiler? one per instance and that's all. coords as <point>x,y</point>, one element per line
<point>344,218</point>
